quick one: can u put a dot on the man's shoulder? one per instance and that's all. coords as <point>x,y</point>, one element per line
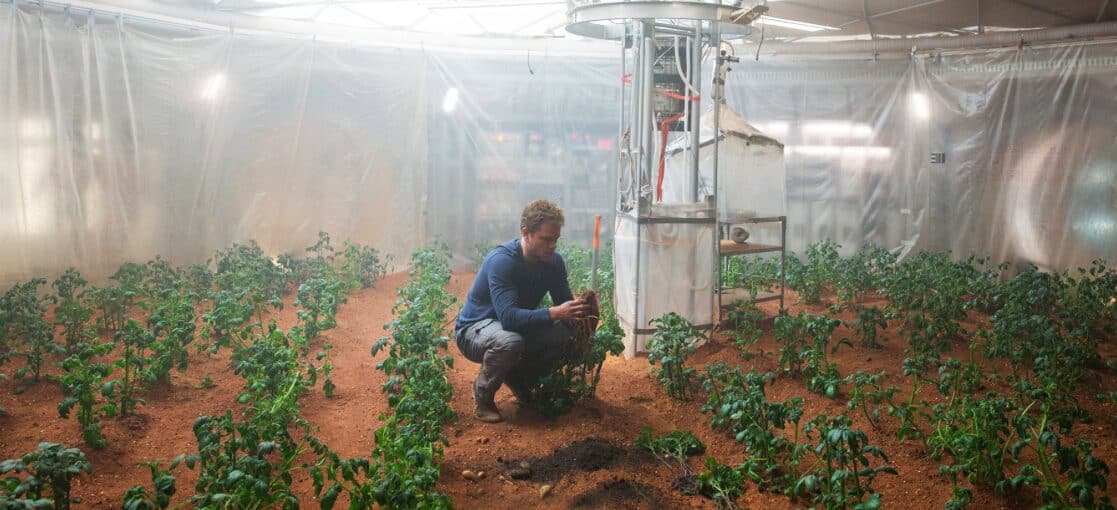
<point>503,254</point>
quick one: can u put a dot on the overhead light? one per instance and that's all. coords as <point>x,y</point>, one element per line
<point>450,100</point>
<point>213,87</point>
<point>841,151</point>
<point>34,128</point>
<point>836,129</point>
<point>919,105</point>
<point>792,24</point>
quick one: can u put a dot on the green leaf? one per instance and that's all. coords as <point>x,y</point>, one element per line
<point>330,496</point>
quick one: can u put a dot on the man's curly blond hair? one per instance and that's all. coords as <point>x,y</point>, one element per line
<point>539,212</point>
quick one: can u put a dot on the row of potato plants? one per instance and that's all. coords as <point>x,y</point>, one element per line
<point>1046,326</point>
<point>248,459</point>
<point>403,466</point>
<point>148,316</point>
<point>409,445</point>
<point>273,362</point>
<point>826,461</point>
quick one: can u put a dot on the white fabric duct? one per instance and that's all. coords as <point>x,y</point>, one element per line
<point>1071,33</point>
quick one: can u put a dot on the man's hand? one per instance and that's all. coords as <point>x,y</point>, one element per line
<point>573,309</point>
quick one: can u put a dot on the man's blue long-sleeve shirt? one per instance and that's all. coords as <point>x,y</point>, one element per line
<point>508,288</point>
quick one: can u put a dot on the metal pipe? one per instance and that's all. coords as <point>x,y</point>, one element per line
<point>647,129</point>
<point>647,55</point>
<point>621,146</point>
<point>718,90</point>
<point>986,40</point>
<point>695,106</point>
<point>665,28</point>
<point>980,19</point>
<point>635,129</point>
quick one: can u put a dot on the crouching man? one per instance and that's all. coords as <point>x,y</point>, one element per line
<point>499,325</point>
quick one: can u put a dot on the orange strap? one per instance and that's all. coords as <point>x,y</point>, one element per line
<point>628,79</point>
<point>673,95</point>
<point>663,154</point>
<point>597,232</point>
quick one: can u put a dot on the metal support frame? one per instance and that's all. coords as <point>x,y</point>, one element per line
<point>723,263</point>
<point>636,24</point>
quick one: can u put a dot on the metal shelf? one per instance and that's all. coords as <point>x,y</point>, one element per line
<point>728,248</point>
<point>740,294</point>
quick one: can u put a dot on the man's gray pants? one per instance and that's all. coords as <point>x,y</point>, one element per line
<point>510,357</point>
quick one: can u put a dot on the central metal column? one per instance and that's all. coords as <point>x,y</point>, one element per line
<point>661,255</point>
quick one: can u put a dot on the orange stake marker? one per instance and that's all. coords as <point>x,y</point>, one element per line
<point>596,249</point>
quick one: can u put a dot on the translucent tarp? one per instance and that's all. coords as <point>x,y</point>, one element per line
<point>669,266</point>
<point>751,178</point>
<point>1009,153</point>
<point>126,140</point>
<point>530,125</point>
<point>676,274</point>
<point>120,141</point>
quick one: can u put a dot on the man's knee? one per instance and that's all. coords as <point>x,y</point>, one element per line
<point>508,341</point>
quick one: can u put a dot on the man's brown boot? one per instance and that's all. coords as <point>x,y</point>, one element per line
<point>488,413</point>
<point>485,409</point>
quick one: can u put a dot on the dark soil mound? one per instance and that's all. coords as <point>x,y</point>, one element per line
<point>589,454</point>
<point>621,493</point>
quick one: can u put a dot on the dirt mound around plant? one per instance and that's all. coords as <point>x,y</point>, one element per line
<point>590,454</point>
<point>621,493</point>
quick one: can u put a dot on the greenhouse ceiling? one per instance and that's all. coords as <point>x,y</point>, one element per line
<point>787,20</point>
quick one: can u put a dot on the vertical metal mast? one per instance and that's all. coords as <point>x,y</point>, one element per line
<point>666,242</point>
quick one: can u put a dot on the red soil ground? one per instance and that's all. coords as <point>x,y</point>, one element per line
<point>627,399</point>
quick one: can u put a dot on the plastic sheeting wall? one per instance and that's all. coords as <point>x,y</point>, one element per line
<point>526,125</point>
<point>853,159</point>
<point>123,141</point>
<point>1031,154</point>
<point>751,174</point>
<point>120,141</point>
<point>676,275</point>
<point>1010,153</point>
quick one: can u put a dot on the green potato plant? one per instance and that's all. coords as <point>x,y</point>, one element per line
<point>845,472</point>
<point>83,379</point>
<point>671,344</point>
<point>71,313</point>
<point>24,331</point>
<point>42,478</point>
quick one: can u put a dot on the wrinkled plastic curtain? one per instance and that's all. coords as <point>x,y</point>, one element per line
<point>122,140</point>
<point>1004,153</point>
<point>676,275</point>
<point>1030,143</point>
<point>509,128</point>
<point>855,158</point>
<point>751,175</point>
